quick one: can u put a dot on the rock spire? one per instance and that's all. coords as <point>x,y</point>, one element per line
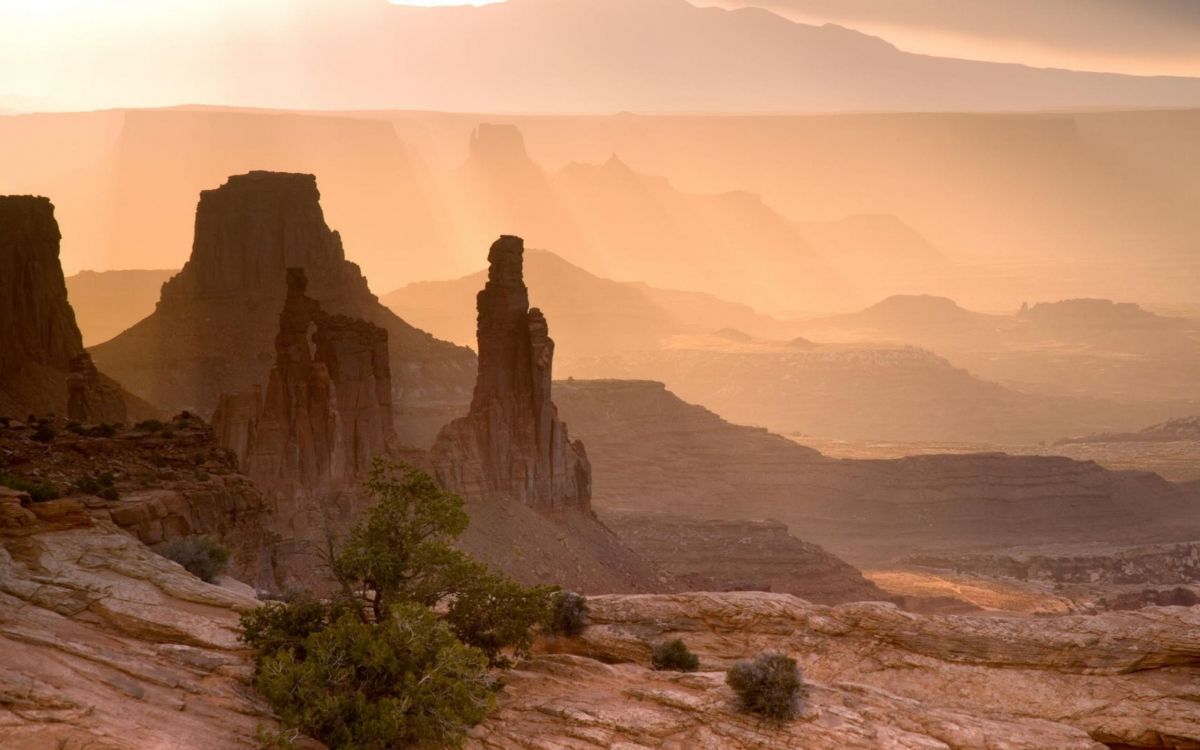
<point>512,443</point>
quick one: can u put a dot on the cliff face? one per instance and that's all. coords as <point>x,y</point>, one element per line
<point>328,406</point>
<point>213,330</point>
<point>43,367</point>
<point>326,414</point>
<point>512,443</point>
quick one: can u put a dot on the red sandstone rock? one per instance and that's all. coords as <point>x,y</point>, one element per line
<point>213,330</point>
<point>512,444</point>
<point>39,341</point>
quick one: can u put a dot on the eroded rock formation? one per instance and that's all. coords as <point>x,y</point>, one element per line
<point>45,368</point>
<point>214,328</point>
<point>327,412</point>
<point>512,443</point>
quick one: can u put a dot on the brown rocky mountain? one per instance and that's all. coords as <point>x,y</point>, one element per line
<point>512,444</point>
<point>108,302</point>
<point>213,329</point>
<point>46,369</point>
<point>309,438</point>
<point>652,451</point>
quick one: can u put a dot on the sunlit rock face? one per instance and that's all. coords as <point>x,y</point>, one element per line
<point>45,368</point>
<point>214,328</point>
<point>512,443</point>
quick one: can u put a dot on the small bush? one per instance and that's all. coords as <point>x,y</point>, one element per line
<point>569,614</point>
<point>150,425</point>
<point>107,479</point>
<point>39,492</point>
<point>45,433</point>
<point>110,493</point>
<point>86,485</point>
<point>203,557</point>
<point>75,427</point>
<point>101,431</point>
<point>280,626</point>
<point>769,685</point>
<point>674,656</point>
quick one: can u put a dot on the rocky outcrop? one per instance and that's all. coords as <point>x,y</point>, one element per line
<point>512,444</point>
<point>214,328</point>
<point>325,416</point>
<point>327,412</point>
<point>741,556</point>
<point>155,482</point>
<point>105,644</point>
<point>43,366</point>
<point>877,677</point>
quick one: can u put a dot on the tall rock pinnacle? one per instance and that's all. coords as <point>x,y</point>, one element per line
<point>43,366</point>
<point>512,443</point>
<point>214,329</point>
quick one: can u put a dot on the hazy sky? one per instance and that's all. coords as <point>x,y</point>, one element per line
<point>1142,37</point>
<point>72,54</point>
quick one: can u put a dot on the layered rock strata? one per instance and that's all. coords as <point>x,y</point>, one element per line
<point>654,451</point>
<point>105,644</point>
<point>877,678</point>
<point>709,555</point>
<point>45,368</point>
<point>213,330</point>
<point>512,444</point>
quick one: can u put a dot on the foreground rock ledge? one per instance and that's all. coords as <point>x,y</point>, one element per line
<point>879,678</point>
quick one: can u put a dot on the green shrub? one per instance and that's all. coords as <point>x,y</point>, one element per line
<point>110,493</point>
<point>403,552</point>
<point>39,492</point>
<point>101,431</point>
<point>283,626</point>
<point>769,685</point>
<point>86,485</point>
<point>203,557</point>
<point>150,425</point>
<point>675,656</point>
<point>569,614</point>
<point>377,667</point>
<point>404,682</point>
<point>494,613</point>
<point>45,433</point>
